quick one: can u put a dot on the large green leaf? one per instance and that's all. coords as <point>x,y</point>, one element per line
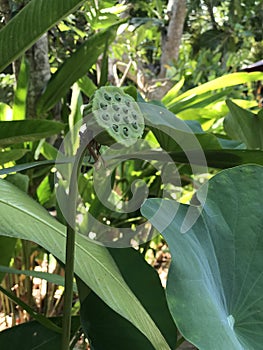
<point>22,217</point>
<point>241,124</point>
<point>215,280</point>
<point>74,68</point>
<point>173,133</point>
<point>108,330</point>
<point>19,131</point>
<point>29,24</point>
<point>223,158</point>
<point>32,335</point>
<point>186,142</point>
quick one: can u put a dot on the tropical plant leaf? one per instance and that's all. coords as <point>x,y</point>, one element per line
<point>38,317</point>
<point>25,166</point>
<point>173,92</point>
<point>241,124</point>
<point>199,101</point>
<point>108,330</point>
<point>222,158</point>
<point>41,163</point>
<point>29,24</point>
<point>13,154</point>
<point>74,68</point>
<point>174,134</point>
<point>20,96</point>
<point>50,277</point>
<point>33,336</point>
<point>218,83</point>
<point>19,131</point>
<point>87,86</point>
<point>215,281</point>
<point>22,217</point>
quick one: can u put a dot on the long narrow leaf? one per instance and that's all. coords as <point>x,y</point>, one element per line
<point>74,68</point>
<point>40,318</point>
<point>50,277</point>
<point>29,24</point>
<point>13,154</point>
<point>219,83</point>
<point>22,217</point>
<point>19,131</point>
<point>19,107</point>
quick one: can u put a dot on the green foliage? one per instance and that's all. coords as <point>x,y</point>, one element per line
<point>215,277</point>
<point>27,130</point>
<point>93,264</point>
<point>25,28</point>
<point>106,328</point>
<point>32,335</point>
<point>214,282</point>
<point>241,124</point>
<point>74,68</point>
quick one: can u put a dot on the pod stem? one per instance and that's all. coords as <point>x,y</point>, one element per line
<point>70,248</point>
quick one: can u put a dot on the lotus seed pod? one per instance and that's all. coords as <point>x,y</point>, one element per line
<point>117,115</point>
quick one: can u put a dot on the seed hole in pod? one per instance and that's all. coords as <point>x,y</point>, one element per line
<point>116,108</point>
<point>115,127</point>
<point>125,131</point>
<point>105,117</point>
<point>134,115</point>
<point>107,97</point>
<point>117,98</point>
<point>135,125</point>
<point>103,106</point>
<point>125,110</point>
<point>128,103</point>
<point>117,117</point>
<point>126,119</point>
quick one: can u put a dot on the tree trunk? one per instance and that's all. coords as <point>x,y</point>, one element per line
<point>5,10</point>
<point>172,40</point>
<point>39,73</point>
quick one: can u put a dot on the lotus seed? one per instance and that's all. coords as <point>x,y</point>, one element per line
<point>126,131</point>
<point>107,97</point>
<point>126,119</point>
<point>103,105</point>
<point>105,117</point>
<point>115,127</point>
<point>117,98</point>
<point>115,107</point>
<point>116,117</point>
<point>135,125</point>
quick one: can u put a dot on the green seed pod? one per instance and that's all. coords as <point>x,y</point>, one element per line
<point>116,115</point>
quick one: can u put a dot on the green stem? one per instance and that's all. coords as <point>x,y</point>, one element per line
<point>70,249</point>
